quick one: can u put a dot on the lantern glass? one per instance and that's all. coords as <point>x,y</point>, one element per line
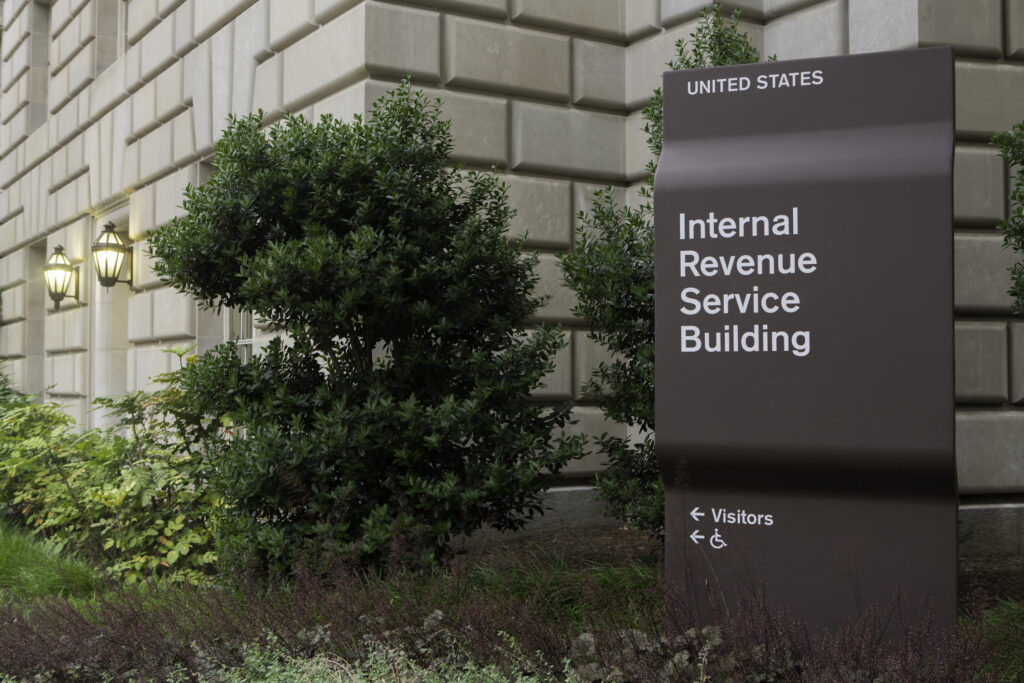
<point>58,273</point>
<point>108,253</point>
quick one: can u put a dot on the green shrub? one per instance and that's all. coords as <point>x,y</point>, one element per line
<point>127,498</point>
<point>1011,146</point>
<point>397,413</point>
<point>611,270</point>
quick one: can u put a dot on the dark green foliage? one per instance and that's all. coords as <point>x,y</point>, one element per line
<point>612,272</point>
<point>1011,146</point>
<point>397,413</point>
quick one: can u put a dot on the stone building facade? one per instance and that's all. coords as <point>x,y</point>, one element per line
<point>110,107</point>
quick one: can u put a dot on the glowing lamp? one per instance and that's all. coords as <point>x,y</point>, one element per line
<point>109,254</point>
<point>59,273</point>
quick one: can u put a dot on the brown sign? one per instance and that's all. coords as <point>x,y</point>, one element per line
<point>804,334</point>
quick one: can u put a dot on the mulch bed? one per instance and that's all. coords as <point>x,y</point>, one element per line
<point>992,578</point>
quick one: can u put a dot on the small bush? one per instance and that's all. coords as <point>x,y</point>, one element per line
<point>129,498</point>
<point>611,270</point>
<point>1011,146</point>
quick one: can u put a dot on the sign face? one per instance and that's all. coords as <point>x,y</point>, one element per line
<point>804,333</point>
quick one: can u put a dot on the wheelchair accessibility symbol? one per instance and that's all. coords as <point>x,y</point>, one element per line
<point>716,541</point>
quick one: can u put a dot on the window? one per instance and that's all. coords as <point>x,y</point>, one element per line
<point>240,331</point>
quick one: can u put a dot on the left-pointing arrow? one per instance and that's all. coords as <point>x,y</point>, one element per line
<point>696,514</point>
<point>696,536</point>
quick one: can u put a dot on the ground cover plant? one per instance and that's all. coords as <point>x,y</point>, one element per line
<point>397,414</point>
<point>611,270</point>
<point>510,618</point>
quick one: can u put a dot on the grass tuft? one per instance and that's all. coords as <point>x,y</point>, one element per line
<point>30,570</point>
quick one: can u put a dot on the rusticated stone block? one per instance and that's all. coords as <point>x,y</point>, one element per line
<point>12,340</point>
<point>483,8</point>
<point>989,97</point>
<point>210,15</point>
<point>143,276</point>
<point>54,337</point>
<point>156,153</point>
<point>981,275</point>
<point>251,46</point>
<point>184,138</point>
<point>972,28</point>
<point>543,211</point>
<point>289,21</point>
<point>818,31</point>
<point>69,374</point>
<point>174,315</point>
<point>170,192</point>
<point>325,10</point>
<point>981,362</point>
<point>13,301</point>
<point>170,91</point>
<point>878,25</point>
<point>403,41</point>
<point>1014,48</point>
<point>988,451</point>
<point>566,142</point>
<point>340,43</point>
<point>107,90</point>
<point>979,186</point>
<point>482,54</point>
<point>1017,362</point>
<point>144,110</point>
<point>140,318</point>
<point>598,74</point>
<point>141,216</point>
<point>76,327</point>
<point>142,16</point>
<point>157,50</point>
<point>602,18</point>
<point>143,363</point>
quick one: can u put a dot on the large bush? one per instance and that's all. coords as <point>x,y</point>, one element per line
<point>1011,146</point>
<point>395,413</point>
<point>612,272</point>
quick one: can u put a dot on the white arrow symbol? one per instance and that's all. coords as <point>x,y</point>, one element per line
<point>696,537</point>
<point>696,514</point>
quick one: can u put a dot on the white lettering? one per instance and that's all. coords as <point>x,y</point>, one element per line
<point>692,264</point>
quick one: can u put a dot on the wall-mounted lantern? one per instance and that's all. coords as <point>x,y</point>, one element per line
<point>59,274</point>
<point>109,253</point>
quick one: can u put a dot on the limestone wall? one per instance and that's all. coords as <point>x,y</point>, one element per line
<point>110,107</point>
